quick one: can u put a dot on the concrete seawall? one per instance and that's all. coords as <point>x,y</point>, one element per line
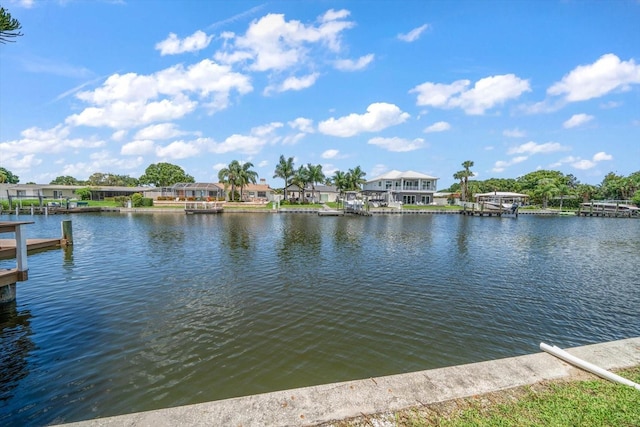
<point>331,402</point>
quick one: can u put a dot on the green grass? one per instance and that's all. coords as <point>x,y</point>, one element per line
<point>595,403</point>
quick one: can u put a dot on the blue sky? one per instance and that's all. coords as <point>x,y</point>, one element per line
<point>515,86</point>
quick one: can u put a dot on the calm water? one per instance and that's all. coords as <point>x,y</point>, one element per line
<point>149,311</point>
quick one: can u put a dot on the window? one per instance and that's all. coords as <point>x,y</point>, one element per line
<point>57,194</point>
<point>387,185</point>
<point>262,194</point>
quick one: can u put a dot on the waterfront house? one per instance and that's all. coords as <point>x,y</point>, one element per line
<point>54,192</point>
<point>322,194</point>
<point>409,188</point>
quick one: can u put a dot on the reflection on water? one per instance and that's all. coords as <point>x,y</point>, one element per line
<point>149,311</point>
<point>15,346</point>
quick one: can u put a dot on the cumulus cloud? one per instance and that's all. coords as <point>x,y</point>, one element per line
<point>159,131</point>
<point>35,140</point>
<point>273,43</point>
<point>353,65</point>
<point>396,144</point>
<point>535,148</point>
<point>606,75</point>
<point>178,150</point>
<point>330,154</point>
<point>601,156</point>
<point>577,120</point>
<point>302,124</point>
<point>438,127</point>
<point>130,100</point>
<point>293,83</point>
<point>413,35</point>
<point>379,116</point>
<point>514,133</point>
<point>101,160</point>
<point>485,94</point>
<point>172,45</point>
<point>137,148</point>
<point>246,144</point>
<point>501,165</point>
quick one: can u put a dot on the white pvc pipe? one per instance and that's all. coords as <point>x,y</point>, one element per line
<point>558,352</point>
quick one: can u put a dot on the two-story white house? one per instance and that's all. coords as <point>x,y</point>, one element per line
<point>409,188</point>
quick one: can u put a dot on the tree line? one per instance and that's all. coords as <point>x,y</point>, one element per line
<point>550,187</point>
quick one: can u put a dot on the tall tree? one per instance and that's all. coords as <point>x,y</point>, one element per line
<point>66,180</point>
<point>231,176</point>
<point>301,179</point>
<point>315,176</point>
<point>460,176</point>
<point>356,178</point>
<point>546,189</point>
<point>9,27</point>
<point>285,170</point>
<point>340,180</point>
<point>467,164</point>
<point>246,176</point>
<point>164,175</point>
<point>6,177</point>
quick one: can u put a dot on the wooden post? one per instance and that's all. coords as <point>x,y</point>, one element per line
<point>67,231</point>
<point>21,251</point>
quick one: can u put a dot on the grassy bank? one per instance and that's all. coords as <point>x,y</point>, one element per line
<point>593,402</point>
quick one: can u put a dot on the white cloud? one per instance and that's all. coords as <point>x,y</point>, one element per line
<point>605,75</point>
<point>577,120</point>
<point>378,117</point>
<point>501,165</point>
<point>302,124</point>
<point>272,43</point>
<point>54,140</point>
<point>413,35</point>
<point>601,156</point>
<point>351,65</point>
<point>330,154</point>
<point>131,100</point>
<point>101,161</point>
<point>159,131</point>
<point>178,150</point>
<point>397,144</point>
<point>535,148</point>
<point>172,45</point>
<point>293,83</point>
<point>119,135</point>
<point>485,94</point>
<point>514,133</point>
<point>246,144</point>
<point>438,127</point>
<point>137,148</point>
<point>583,164</point>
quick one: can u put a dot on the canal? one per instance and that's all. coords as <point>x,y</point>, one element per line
<point>155,310</point>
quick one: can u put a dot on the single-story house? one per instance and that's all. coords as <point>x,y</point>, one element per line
<point>51,192</point>
<point>408,187</point>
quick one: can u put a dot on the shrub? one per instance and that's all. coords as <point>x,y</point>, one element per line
<point>84,193</point>
<point>136,200</point>
<point>147,202</point>
<point>121,201</point>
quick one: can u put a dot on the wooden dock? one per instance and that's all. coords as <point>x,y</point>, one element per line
<point>18,248</point>
<point>8,246</point>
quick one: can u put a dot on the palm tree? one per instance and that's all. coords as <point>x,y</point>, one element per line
<point>355,178</point>
<point>284,170</point>
<point>339,179</point>
<point>246,176</point>
<point>546,189</point>
<point>563,190</point>
<point>301,179</point>
<point>467,164</point>
<point>460,175</point>
<point>231,175</point>
<point>315,175</point>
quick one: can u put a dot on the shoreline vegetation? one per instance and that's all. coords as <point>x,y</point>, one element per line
<point>585,400</point>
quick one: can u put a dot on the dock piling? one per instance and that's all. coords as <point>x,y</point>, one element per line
<point>67,232</point>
